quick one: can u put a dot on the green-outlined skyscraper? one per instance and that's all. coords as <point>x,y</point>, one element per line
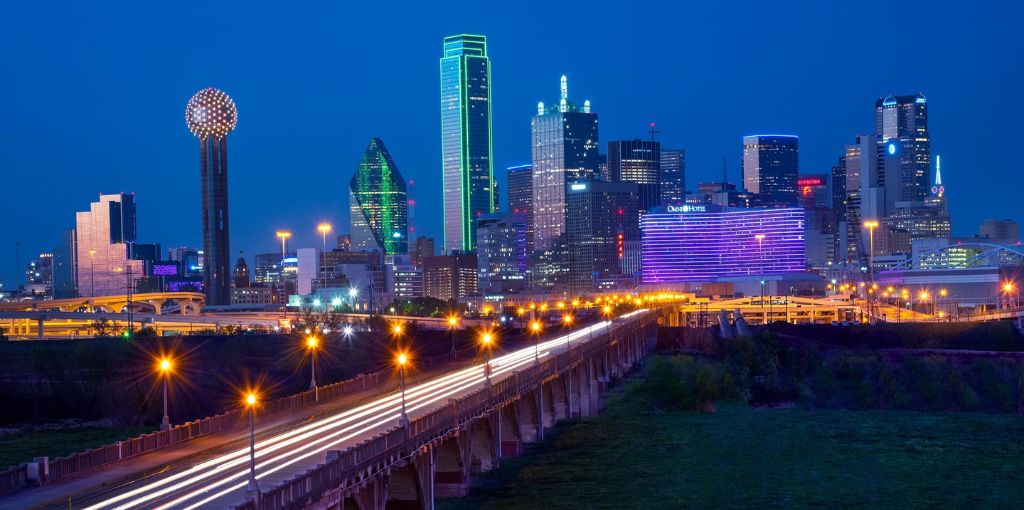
<point>378,204</point>
<point>467,172</point>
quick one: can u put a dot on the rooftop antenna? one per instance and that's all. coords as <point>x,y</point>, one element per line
<point>412,213</point>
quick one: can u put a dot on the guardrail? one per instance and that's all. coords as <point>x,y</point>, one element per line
<point>80,462</point>
<point>399,443</point>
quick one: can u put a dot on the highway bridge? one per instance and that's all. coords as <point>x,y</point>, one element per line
<point>360,454</point>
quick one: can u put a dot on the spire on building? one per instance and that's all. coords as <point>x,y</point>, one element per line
<point>938,189</point>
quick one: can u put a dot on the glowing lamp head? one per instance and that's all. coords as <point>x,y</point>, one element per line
<point>452,321</point>
<point>211,112</point>
<point>535,326</point>
<point>312,342</point>
<point>402,359</point>
<point>567,319</point>
<point>347,330</point>
<point>250,399</point>
<point>324,228</point>
<point>1008,287</point>
<point>166,365</point>
<point>487,338</point>
<point>397,329</point>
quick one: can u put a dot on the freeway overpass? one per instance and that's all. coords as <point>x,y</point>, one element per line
<point>356,454</point>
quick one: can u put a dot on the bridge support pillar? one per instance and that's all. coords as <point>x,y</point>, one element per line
<point>39,328</point>
<point>559,398</point>
<point>511,438</point>
<point>451,469</point>
<point>373,496</point>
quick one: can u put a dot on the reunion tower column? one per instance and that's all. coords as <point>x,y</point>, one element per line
<point>210,116</point>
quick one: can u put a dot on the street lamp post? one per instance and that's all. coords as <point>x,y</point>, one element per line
<point>403,360</point>
<point>760,257</point>
<point>453,322</point>
<point>535,331</point>
<point>352,292</point>
<point>165,366</point>
<point>324,229</point>
<point>253,489</point>
<point>312,343</point>
<point>485,341</point>
<point>283,235</point>
<point>871,226</point>
<point>567,320</point>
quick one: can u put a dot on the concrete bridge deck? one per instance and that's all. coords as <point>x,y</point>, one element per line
<point>212,473</point>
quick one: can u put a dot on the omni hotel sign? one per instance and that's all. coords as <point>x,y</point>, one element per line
<point>686,208</point>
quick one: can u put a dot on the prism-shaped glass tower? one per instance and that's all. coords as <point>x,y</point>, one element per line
<point>378,203</point>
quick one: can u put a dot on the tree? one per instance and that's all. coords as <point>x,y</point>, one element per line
<point>102,328</point>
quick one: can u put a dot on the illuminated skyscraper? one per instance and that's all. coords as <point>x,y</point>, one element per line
<point>378,205</point>
<point>101,247</point>
<point>211,115</point>
<point>520,197</point>
<point>901,124</point>
<point>673,176</point>
<point>467,172</point>
<point>637,161</point>
<point>770,166</point>
<point>565,148</point>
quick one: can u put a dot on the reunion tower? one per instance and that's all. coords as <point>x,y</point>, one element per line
<point>211,115</point>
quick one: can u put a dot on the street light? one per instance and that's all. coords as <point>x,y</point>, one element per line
<point>760,256</point>
<point>283,235</point>
<point>253,490</point>
<point>312,343</point>
<point>485,341</point>
<point>1008,288</point>
<point>871,225</point>
<point>535,330</point>
<point>402,360</point>
<point>165,366</point>
<point>352,293</point>
<point>453,323</point>
<point>324,229</point>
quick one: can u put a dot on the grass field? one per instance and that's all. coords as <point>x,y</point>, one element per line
<point>24,446</point>
<point>739,457</point>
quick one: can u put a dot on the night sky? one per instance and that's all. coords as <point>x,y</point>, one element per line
<point>95,96</point>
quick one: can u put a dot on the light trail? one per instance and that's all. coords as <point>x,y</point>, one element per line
<point>192,487</point>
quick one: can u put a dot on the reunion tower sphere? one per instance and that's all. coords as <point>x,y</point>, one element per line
<point>211,112</point>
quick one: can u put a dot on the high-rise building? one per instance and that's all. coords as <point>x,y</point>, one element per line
<point>65,280</point>
<point>565,150</point>
<point>770,167</point>
<point>999,231</point>
<point>501,253</point>
<point>704,243</point>
<point>266,269</point>
<point>378,205</point>
<point>103,236</point>
<point>210,116</point>
<point>813,191</point>
<point>423,248</point>
<point>838,187</point>
<point>637,161</point>
<point>603,228</point>
<point>190,259</point>
<point>450,277</point>
<point>467,170</point>
<point>520,197</point>
<point>673,176</point>
<point>39,276</point>
<point>904,146</point>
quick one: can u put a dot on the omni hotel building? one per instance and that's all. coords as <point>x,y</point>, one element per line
<point>707,243</point>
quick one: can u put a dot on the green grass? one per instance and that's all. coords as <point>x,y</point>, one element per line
<point>24,446</point>
<point>739,457</point>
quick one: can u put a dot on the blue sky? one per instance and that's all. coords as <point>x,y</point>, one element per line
<point>95,96</point>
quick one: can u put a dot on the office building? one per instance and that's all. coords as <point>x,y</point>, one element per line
<point>450,277</point>
<point>565,150</point>
<point>103,234</point>
<point>406,279</point>
<point>467,171</point>
<point>190,259</point>
<point>813,191</point>
<point>604,226</point>
<point>637,161</point>
<point>423,248</point>
<point>520,197</point>
<point>210,116</point>
<point>252,296</point>
<point>65,279</point>
<point>770,167</point>
<point>704,243</point>
<point>266,269</point>
<point>904,146</point>
<point>502,253</point>
<point>999,231</point>
<point>673,176</point>
<point>378,205</point>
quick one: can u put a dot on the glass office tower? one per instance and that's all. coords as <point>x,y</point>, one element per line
<point>467,172</point>
<point>378,204</point>
<point>770,167</point>
<point>103,234</point>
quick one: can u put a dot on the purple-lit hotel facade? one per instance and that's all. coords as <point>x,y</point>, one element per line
<point>703,243</point>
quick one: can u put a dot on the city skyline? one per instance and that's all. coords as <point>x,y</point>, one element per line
<point>165,155</point>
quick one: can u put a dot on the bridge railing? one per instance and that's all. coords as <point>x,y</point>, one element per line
<point>13,478</point>
<point>80,462</point>
<point>383,450</point>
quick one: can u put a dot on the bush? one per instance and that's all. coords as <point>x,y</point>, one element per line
<point>683,383</point>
